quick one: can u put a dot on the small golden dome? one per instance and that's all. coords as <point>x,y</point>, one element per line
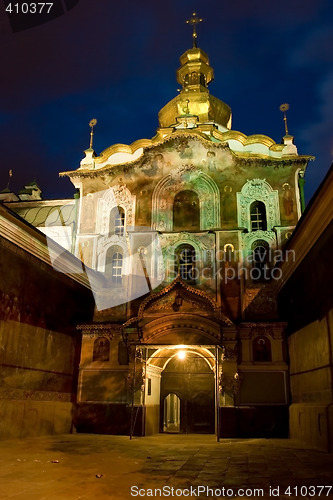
<point>194,99</point>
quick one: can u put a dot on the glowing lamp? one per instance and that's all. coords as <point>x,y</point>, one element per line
<point>181,355</point>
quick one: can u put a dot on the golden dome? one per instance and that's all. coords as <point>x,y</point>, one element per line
<point>194,99</point>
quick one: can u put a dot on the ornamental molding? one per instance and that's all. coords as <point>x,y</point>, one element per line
<point>261,331</point>
<point>186,329</point>
<point>179,173</point>
<point>106,242</point>
<point>94,334</point>
<point>116,196</point>
<point>249,238</point>
<point>258,190</point>
<point>229,354</point>
<point>230,383</point>
<point>186,177</point>
<point>276,163</point>
<point>30,395</point>
<point>100,330</point>
<point>179,284</point>
<point>274,330</point>
<point>249,324</point>
<point>199,242</point>
<point>174,138</point>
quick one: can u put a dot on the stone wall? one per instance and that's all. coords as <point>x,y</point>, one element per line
<point>307,302</point>
<point>39,344</point>
<point>311,413</point>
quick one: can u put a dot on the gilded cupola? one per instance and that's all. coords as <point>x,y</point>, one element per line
<point>194,99</point>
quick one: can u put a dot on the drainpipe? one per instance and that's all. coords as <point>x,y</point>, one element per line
<point>301,182</point>
<point>76,198</point>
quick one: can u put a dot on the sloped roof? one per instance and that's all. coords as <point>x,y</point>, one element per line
<point>41,216</point>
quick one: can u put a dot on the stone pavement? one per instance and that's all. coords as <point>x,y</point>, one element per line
<point>86,466</point>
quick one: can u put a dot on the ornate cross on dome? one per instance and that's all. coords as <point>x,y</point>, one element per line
<point>92,123</point>
<point>194,20</point>
<point>284,108</point>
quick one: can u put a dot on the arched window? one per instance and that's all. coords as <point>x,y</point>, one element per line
<point>117,221</point>
<point>117,266</point>
<point>114,263</point>
<point>101,349</point>
<point>186,211</point>
<point>260,259</point>
<point>229,252</point>
<point>185,257</point>
<point>258,216</point>
<point>261,349</point>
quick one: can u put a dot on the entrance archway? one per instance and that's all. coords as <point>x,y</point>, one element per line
<point>171,413</point>
<point>184,398</point>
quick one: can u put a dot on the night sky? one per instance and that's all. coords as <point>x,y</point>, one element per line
<point>117,61</point>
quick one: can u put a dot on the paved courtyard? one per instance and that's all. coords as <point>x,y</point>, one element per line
<point>86,466</point>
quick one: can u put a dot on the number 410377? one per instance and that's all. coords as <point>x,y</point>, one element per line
<point>29,8</point>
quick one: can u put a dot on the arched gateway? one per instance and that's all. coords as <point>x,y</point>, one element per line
<point>164,369</point>
<point>179,365</point>
<point>177,362</point>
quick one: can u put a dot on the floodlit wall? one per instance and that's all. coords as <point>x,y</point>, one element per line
<point>306,301</point>
<point>40,346</point>
<point>311,414</point>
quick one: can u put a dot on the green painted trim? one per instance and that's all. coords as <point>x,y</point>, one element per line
<point>77,199</point>
<point>301,182</point>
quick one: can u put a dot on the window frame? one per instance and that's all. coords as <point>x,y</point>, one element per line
<point>258,218</point>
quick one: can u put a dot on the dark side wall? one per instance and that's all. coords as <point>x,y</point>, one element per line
<point>308,296</point>
<point>39,344</point>
<point>307,303</point>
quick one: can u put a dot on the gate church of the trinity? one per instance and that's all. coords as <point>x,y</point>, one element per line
<point>182,239</point>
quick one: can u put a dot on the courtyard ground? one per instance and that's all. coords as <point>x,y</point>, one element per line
<point>86,466</point>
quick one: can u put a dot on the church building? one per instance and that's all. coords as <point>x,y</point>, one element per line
<point>183,238</point>
<point>188,229</point>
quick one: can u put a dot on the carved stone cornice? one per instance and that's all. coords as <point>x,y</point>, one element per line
<point>100,330</point>
<point>272,324</point>
<point>186,327</point>
<point>178,281</point>
<point>30,395</point>
<point>230,383</point>
<point>102,162</point>
<point>251,329</point>
<point>229,354</point>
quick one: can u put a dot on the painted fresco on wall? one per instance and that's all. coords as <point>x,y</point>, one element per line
<point>88,218</point>
<point>228,202</point>
<point>184,186</point>
<point>288,201</point>
<point>184,156</point>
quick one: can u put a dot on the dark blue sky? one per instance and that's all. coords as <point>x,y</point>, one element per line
<point>117,61</point>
